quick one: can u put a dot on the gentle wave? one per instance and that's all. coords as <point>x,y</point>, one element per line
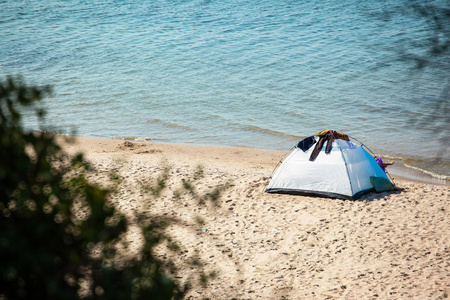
<point>432,174</point>
<point>169,124</point>
<point>414,163</point>
<point>252,128</point>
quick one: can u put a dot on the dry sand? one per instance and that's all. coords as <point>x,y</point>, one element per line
<point>391,245</point>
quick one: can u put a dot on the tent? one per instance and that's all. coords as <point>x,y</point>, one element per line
<point>342,169</point>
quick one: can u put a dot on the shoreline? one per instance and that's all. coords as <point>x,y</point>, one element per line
<point>397,171</point>
<point>390,245</point>
<point>405,173</point>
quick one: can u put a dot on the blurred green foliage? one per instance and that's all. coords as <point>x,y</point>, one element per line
<point>57,231</point>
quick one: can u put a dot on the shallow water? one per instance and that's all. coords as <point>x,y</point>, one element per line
<point>238,73</point>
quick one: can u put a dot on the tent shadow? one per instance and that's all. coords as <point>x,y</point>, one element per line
<point>368,196</point>
<point>373,196</point>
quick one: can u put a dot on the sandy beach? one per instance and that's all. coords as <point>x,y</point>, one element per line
<point>391,245</point>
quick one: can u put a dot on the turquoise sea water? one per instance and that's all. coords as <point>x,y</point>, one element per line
<point>235,73</point>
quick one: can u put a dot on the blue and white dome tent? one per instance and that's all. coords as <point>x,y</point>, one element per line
<point>342,169</point>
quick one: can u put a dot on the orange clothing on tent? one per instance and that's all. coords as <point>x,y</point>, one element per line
<point>337,134</point>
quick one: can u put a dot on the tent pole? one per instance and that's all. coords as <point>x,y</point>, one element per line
<point>374,155</point>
